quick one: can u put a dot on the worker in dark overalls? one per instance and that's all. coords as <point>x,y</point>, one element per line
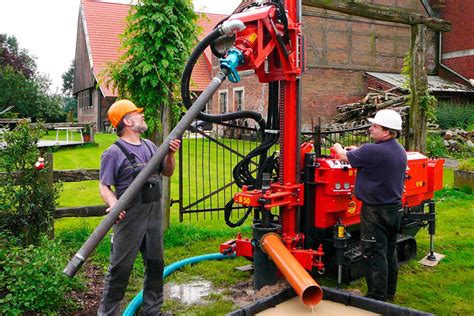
<point>381,169</point>
<point>139,226</point>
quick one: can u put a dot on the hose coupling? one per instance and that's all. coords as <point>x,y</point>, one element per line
<point>234,59</point>
<point>228,27</point>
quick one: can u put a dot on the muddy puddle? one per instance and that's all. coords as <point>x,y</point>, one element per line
<point>189,293</point>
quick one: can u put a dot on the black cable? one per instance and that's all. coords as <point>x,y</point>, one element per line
<point>228,212</point>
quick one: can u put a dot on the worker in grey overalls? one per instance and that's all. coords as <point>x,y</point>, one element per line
<point>139,226</point>
<point>381,169</point>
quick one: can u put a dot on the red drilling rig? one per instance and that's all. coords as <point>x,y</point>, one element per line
<point>305,211</point>
<point>306,217</point>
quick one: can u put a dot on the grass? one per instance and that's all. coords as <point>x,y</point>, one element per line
<point>446,289</point>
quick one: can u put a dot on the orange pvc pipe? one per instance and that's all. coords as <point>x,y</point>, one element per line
<point>300,280</point>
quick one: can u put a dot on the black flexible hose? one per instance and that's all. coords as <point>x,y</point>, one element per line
<point>228,212</point>
<point>242,174</point>
<point>188,69</point>
<point>186,77</point>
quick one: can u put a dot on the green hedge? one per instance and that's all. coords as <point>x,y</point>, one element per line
<point>31,278</point>
<point>450,115</point>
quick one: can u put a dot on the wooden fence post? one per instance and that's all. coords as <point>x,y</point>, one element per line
<point>49,174</point>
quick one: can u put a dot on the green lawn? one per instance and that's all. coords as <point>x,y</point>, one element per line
<point>446,289</point>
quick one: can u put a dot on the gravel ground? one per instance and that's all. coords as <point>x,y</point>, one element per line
<point>450,163</point>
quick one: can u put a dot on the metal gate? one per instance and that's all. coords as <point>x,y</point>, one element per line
<point>206,161</point>
<point>207,158</point>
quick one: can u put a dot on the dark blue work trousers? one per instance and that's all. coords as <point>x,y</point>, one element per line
<point>379,229</point>
<point>140,230</point>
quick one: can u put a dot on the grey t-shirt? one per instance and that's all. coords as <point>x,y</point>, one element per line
<point>381,171</point>
<point>115,168</point>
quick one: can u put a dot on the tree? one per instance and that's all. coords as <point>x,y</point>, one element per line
<point>68,81</point>
<point>70,101</point>
<point>157,41</point>
<point>22,87</point>
<point>10,54</point>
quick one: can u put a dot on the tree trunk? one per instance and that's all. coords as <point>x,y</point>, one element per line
<point>418,86</point>
<point>166,122</point>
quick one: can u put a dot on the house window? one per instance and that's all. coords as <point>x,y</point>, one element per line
<point>238,99</point>
<point>223,101</point>
<point>85,98</point>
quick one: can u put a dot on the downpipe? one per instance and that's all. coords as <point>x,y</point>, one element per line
<point>137,301</point>
<point>101,230</point>
<point>300,280</point>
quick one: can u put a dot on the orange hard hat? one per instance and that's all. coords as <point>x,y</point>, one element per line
<point>121,108</point>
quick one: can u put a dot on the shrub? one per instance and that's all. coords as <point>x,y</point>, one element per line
<point>435,146</point>
<point>450,115</point>
<point>31,280</point>
<point>466,165</point>
<point>27,200</point>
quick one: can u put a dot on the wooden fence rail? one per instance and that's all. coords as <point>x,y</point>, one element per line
<point>69,176</point>
<point>78,176</point>
<point>82,211</point>
<point>75,175</point>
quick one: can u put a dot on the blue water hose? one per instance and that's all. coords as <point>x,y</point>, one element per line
<point>137,301</point>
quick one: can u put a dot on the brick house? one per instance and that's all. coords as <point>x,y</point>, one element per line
<point>344,56</point>
<point>98,42</point>
<point>457,46</point>
<point>343,53</point>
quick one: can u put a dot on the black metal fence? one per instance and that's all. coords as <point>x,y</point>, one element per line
<point>207,158</point>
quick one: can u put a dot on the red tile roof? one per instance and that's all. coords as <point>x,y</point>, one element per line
<point>105,21</point>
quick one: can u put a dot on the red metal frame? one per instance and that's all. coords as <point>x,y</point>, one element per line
<point>258,42</point>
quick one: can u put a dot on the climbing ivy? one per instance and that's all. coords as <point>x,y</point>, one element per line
<point>157,41</point>
<point>426,100</point>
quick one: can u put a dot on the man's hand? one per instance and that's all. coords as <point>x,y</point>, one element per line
<point>174,145</point>
<point>352,147</point>
<point>169,163</point>
<point>340,152</point>
<point>120,217</point>
<point>337,147</point>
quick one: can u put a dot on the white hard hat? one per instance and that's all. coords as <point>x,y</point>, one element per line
<point>387,118</point>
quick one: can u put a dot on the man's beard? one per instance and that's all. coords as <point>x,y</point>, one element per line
<point>139,127</point>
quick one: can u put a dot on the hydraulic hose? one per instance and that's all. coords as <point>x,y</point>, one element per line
<point>137,301</point>
<point>101,230</point>
<point>225,28</point>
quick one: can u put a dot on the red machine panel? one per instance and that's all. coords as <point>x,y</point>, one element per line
<point>435,174</point>
<point>334,193</point>
<point>335,186</point>
<point>416,175</point>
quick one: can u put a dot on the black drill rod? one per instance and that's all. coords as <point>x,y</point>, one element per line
<point>101,230</point>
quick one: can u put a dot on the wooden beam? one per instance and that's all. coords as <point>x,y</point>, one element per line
<point>380,12</point>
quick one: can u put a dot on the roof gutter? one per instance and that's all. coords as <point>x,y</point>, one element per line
<point>428,8</point>
<point>432,13</point>
<point>470,82</point>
